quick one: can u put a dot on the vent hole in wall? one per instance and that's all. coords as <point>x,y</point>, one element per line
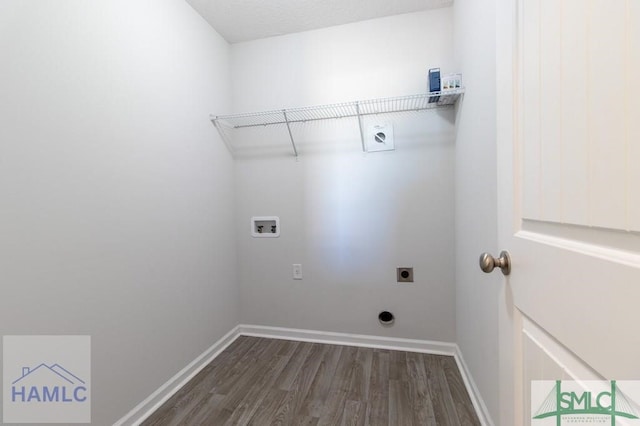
<point>386,318</point>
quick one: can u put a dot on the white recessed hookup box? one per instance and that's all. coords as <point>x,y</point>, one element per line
<point>265,226</point>
<point>380,137</point>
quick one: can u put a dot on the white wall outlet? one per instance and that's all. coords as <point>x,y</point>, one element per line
<point>297,271</point>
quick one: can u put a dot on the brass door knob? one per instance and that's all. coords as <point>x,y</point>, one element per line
<point>488,262</point>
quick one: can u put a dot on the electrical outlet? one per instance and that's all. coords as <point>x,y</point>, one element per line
<point>297,271</point>
<point>404,274</point>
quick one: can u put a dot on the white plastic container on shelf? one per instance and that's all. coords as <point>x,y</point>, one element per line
<point>451,82</point>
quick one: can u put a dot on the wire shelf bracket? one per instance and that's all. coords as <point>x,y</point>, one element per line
<point>293,143</point>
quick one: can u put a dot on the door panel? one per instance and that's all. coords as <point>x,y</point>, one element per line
<point>577,83</point>
<point>569,189</point>
<point>532,103</point>
<point>545,359</point>
<point>589,302</point>
<point>574,147</point>
<point>547,82</point>
<point>633,102</point>
<point>607,122</point>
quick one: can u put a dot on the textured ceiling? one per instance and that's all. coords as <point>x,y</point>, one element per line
<point>243,20</point>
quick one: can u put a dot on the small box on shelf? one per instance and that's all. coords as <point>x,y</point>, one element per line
<point>451,82</point>
<point>434,80</point>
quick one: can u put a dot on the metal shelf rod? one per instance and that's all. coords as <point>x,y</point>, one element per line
<point>364,149</point>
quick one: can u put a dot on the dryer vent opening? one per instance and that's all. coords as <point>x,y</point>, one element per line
<point>386,318</point>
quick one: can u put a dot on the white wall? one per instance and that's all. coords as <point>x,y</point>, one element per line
<point>116,192</point>
<point>348,218</point>
<point>476,208</point>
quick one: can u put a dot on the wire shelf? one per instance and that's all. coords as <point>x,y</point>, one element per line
<point>420,102</point>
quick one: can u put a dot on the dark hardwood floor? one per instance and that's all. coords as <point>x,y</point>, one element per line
<point>258,381</point>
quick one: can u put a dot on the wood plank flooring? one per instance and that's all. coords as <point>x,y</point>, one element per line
<point>258,381</point>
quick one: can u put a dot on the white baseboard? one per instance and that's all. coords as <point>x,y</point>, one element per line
<point>472,390</point>
<point>143,410</point>
<point>361,340</point>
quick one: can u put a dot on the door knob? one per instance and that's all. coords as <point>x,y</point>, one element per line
<point>488,262</point>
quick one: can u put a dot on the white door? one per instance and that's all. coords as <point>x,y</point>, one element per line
<point>569,193</point>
